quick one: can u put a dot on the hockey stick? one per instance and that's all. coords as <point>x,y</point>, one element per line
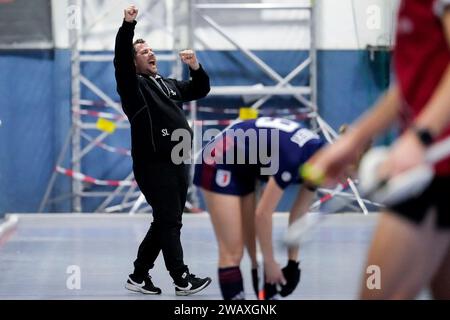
<point>388,192</point>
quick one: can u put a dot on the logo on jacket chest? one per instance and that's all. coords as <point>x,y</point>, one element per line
<point>172,93</point>
<point>165,132</point>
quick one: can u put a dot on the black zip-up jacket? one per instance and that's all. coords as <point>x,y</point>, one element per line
<point>152,114</point>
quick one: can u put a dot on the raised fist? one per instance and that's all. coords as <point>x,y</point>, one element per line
<point>188,57</point>
<point>130,13</point>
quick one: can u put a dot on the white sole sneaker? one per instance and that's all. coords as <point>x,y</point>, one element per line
<point>134,288</point>
<point>189,292</point>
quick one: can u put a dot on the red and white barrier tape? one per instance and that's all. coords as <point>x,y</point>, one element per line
<point>82,177</point>
<point>219,110</point>
<point>105,115</point>
<point>106,147</point>
<point>263,112</point>
<point>226,122</point>
<point>187,107</point>
<point>223,122</point>
<point>95,103</point>
<point>329,195</point>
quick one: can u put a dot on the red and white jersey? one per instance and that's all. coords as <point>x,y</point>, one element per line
<point>421,57</point>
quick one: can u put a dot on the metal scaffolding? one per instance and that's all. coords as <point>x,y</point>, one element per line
<point>282,86</point>
<point>184,15</point>
<point>78,128</point>
<point>306,95</point>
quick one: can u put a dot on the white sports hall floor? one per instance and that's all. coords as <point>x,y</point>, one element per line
<point>36,253</point>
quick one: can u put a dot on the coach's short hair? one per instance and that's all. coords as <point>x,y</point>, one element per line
<point>138,41</point>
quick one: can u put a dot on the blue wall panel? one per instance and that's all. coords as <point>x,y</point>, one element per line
<point>347,84</point>
<point>30,126</point>
<point>35,111</point>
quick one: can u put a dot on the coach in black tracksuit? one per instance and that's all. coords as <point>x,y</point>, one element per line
<point>152,105</point>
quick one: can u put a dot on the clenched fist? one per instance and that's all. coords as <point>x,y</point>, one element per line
<point>188,57</point>
<point>130,13</point>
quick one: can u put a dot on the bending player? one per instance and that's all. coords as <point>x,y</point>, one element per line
<point>228,185</point>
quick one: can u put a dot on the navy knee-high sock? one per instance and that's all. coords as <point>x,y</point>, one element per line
<point>231,283</point>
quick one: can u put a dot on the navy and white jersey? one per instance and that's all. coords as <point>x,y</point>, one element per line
<point>255,149</point>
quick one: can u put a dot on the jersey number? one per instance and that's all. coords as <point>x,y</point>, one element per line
<point>277,123</point>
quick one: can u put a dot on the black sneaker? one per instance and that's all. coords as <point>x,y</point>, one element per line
<point>190,284</point>
<point>143,285</point>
